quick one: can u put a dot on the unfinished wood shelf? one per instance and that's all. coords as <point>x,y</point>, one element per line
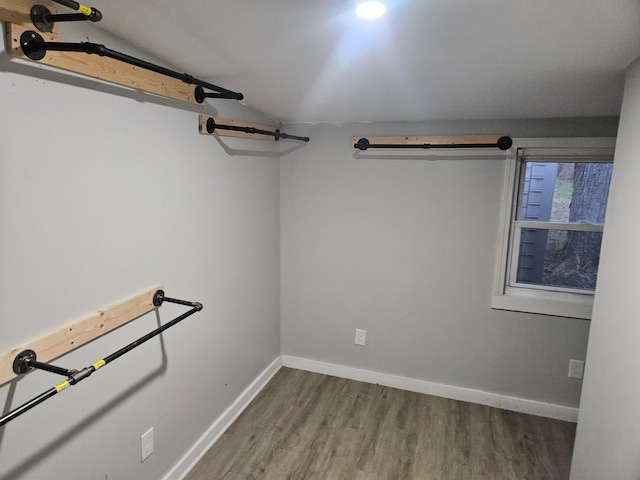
<point>431,142</point>
<point>71,336</point>
<point>16,14</point>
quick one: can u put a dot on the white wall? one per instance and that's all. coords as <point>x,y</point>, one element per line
<point>608,435</point>
<point>105,192</point>
<point>405,250</point>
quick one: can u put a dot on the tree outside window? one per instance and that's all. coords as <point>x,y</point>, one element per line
<point>559,223</point>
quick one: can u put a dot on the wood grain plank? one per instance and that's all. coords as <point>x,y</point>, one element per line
<point>71,336</point>
<point>105,68</point>
<point>421,140</point>
<point>17,11</point>
<point>16,14</point>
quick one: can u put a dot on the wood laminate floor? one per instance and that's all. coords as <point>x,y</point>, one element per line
<point>317,427</point>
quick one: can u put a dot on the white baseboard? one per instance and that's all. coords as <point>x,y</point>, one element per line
<point>504,402</point>
<point>204,443</point>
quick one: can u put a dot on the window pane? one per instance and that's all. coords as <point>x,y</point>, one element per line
<point>559,258</point>
<point>565,192</point>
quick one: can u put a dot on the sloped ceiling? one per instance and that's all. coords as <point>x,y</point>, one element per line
<point>314,61</point>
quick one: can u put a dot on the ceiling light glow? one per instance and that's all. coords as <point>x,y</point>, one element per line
<point>370,10</point>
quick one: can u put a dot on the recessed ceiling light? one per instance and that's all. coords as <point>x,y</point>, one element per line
<point>370,10</point>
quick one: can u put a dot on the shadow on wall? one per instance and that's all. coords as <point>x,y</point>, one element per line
<point>46,451</point>
<point>235,152</point>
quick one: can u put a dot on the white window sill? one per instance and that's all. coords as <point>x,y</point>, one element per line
<point>544,303</point>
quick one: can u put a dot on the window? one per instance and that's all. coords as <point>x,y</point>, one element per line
<point>554,209</point>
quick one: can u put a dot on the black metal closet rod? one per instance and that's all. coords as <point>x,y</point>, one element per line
<point>26,360</point>
<point>35,48</point>
<point>212,126</point>
<point>503,143</point>
<point>93,14</point>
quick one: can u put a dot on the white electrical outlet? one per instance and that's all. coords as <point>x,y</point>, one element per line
<point>576,369</point>
<point>146,444</point>
<point>361,337</point>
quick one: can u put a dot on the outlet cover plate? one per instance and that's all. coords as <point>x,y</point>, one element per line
<point>146,444</point>
<point>576,369</point>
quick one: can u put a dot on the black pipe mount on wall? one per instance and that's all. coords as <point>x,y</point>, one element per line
<point>44,20</point>
<point>503,143</point>
<point>35,48</point>
<point>93,14</point>
<point>26,360</point>
<point>212,126</point>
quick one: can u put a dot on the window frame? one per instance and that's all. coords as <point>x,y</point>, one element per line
<point>531,298</point>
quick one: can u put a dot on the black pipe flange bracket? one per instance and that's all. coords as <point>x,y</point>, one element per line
<point>40,18</point>
<point>32,45</point>
<point>158,298</point>
<point>211,125</point>
<point>504,143</point>
<point>21,362</point>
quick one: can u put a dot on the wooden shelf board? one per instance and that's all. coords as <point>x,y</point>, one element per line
<point>16,14</point>
<point>71,336</point>
<point>418,141</point>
